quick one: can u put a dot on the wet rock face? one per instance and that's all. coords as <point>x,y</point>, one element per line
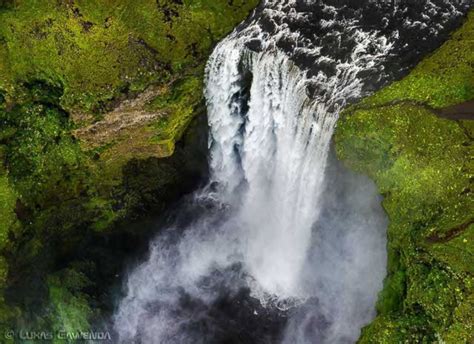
<point>320,35</point>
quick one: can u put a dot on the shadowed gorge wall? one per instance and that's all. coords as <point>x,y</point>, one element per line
<point>95,101</point>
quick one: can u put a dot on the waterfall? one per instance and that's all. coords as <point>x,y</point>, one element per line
<point>274,92</point>
<point>269,145</point>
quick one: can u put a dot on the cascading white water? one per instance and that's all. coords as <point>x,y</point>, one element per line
<point>269,142</point>
<point>276,149</point>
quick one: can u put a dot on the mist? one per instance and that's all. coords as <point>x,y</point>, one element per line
<point>346,264</point>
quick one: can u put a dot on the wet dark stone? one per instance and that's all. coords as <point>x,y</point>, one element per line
<point>420,30</point>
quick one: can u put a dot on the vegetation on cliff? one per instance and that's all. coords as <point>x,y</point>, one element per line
<point>422,165</point>
<point>94,97</point>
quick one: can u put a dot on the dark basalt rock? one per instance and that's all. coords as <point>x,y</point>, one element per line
<point>419,27</point>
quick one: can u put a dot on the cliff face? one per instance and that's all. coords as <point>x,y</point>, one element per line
<point>422,163</point>
<point>95,100</point>
<point>100,110</point>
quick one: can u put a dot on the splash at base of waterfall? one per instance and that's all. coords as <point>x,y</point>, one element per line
<point>196,288</point>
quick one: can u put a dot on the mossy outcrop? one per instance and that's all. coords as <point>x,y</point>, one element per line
<point>96,98</point>
<point>422,164</point>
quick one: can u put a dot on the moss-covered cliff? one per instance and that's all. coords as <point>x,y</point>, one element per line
<point>423,167</point>
<point>95,100</point>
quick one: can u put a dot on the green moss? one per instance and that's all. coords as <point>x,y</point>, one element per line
<point>7,206</point>
<point>443,79</point>
<point>69,309</point>
<point>180,102</point>
<point>457,252</point>
<point>422,166</point>
<point>393,293</point>
<point>386,329</point>
<point>8,223</point>
<point>95,49</point>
